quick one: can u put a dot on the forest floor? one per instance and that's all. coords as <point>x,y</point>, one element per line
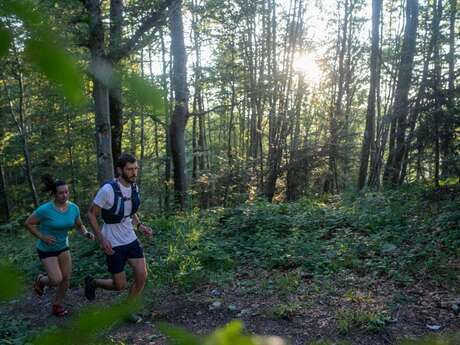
<point>339,310</point>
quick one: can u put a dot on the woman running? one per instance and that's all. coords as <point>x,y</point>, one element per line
<point>50,223</point>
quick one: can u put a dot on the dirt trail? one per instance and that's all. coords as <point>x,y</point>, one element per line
<point>311,318</point>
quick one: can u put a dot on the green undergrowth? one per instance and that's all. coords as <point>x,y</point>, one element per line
<point>405,234</point>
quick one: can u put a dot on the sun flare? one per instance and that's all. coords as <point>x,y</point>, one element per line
<point>305,63</point>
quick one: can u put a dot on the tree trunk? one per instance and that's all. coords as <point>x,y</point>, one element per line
<point>194,145</point>
<point>401,103</point>
<point>4,202</point>
<point>369,133</point>
<point>119,50</point>
<point>447,130</point>
<point>437,87</point>
<point>230,147</point>
<point>99,67</point>
<point>384,122</point>
<point>132,134</point>
<point>419,99</point>
<point>115,102</point>
<point>103,138</point>
<point>22,130</point>
<point>180,114</point>
<point>167,109</point>
<point>336,114</point>
<point>142,134</point>
<point>73,173</point>
<point>116,118</point>
<point>279,124</point>
<point>293,178</point>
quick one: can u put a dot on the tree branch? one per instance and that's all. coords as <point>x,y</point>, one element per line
<point>198,114</point>
<point>151,21</point>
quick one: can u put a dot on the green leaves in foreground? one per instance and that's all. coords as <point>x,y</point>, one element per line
<point>47,56</point>
<point>11,284</point>
<point>42,50</point>
<point>5,41</point>
<point>87,326</point>
<point>233,334</point>
<point>146,94</point>
<point>230,334</point>
<point>58,67</point>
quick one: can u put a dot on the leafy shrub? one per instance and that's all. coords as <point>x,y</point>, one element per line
<point>285,311</point>
<point>361,320</point>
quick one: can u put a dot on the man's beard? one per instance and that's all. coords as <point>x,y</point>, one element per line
<point>128,179</point>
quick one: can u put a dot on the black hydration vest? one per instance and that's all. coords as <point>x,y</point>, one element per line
<point>116,213</point>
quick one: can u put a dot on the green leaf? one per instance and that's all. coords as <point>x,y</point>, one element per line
<point>231,334</point>
<point>58,67</point>
<point>22,10</point>
<point>5,41</point>
<point>145,93</point>
<point>99,317</point>
<point>11,284</point>
<point>177,335</point>
<point>88,325</point>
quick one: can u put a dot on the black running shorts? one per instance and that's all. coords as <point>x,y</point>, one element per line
<point>116,262</point>
<point>43,255</point>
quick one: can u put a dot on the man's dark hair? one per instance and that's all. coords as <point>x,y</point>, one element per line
<point>124,159</point>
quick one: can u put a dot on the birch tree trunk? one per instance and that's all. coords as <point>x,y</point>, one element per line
<point>100,70</point>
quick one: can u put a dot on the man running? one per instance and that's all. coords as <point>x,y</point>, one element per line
<point>117,201</point>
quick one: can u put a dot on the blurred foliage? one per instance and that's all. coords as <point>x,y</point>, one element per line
<point>11,285</point>
<point>88,325</point>
<point>44,49</point>
<point>230,334</point>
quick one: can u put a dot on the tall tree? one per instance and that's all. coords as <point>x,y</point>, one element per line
<point>452,117</point>
<point>4,199</point>
<point>336,110</point>
<point>279,116</point>
<point>115,94</point>
<point>198,136</point>
<point>401,102</point>
<point>368,147</point>
<point>168,109</point>
<point>386,89</point>
<point>17,110</point>
<point>106,62</point>
<point>437,86</point>
<point>101,75</point>
<point>180,114</point>
<point>423,90</point>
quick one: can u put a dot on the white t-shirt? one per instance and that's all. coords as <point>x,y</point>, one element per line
<point>122,233</point>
